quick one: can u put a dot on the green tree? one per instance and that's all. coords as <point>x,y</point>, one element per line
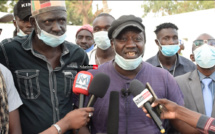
<point>80,12</point>
<point>5,5</point>
<point>175,7</point>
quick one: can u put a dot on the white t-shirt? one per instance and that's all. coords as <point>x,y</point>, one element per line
<point>92,56</point>
<point>14,100</point>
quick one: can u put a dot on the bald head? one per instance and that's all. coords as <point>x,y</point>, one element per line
<point>203,36</point>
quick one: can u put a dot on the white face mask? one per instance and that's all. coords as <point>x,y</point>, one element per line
<point>127,64</point>
<point>205,56</point>
<point>50,39</point>
<point>20,33</point>
<point>101,40</point>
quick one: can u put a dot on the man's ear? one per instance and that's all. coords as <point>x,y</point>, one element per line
<point>156,41</point>
<point>192,57</point>
<point>14,23</point>
<point>112,43</point>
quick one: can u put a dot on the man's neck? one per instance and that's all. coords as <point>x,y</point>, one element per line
<point>52,54</point>
<point>207,72</point>
<point>167,62</point>
<point>105,53</point>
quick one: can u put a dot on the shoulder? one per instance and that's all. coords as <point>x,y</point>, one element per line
<point>13,42</point>
<point>4,70</point>
<point>152,59</point>
<point>151,69</point>
<point>182,79</point>
<point>186,61</point>
<point>103,68</point>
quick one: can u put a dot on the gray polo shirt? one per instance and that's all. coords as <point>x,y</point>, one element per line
<point>183,65</point>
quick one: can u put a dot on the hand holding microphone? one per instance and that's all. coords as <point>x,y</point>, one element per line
<point>143,98</point>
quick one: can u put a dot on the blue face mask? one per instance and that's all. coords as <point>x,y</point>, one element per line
<point>50,39</point>
<point>169,50</point>
<point>205,56</point>
<point>128,64</point>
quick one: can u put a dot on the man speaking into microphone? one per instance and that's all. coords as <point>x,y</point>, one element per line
<point>127,35</point>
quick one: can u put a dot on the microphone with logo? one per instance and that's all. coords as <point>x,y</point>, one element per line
<point>113,113</point>
<point>98,87</point>
<point>81,85</point>
<point>143,98</point>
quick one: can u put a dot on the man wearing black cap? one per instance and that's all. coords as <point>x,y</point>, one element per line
<point>22,13</point>
<point>127,35</point>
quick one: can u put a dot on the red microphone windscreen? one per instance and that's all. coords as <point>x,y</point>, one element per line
<point>82,82</point>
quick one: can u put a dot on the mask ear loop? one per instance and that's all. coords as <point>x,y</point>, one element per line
<point>39,29</point>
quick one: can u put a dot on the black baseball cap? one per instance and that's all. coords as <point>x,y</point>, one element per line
<point>122,22</point>
<point>22,9</point>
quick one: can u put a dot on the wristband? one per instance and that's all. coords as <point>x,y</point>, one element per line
<point>58,128</point>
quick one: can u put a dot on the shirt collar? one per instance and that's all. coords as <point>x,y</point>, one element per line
<point>157,62</point>
<point>202,76</point>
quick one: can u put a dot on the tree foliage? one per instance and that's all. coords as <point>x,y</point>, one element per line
<point>79,12</point>
<point>5,5</point>
<point>175,7</point>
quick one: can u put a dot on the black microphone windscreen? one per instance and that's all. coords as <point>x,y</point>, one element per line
<point>136,87</point>
<point>99,85</point>
<point>113,113</point>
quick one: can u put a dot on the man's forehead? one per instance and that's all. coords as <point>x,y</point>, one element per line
<point>168,31</point>
<point>84,33</point>
<point>204,37</point>
<point>103,21</point>
<point>55,14</point>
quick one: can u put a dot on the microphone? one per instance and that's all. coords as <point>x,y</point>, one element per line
<point>98,87</point>
<point>143,97</point>
<point>113,113</point>
<point>125,92</point>
<point>81,85</point>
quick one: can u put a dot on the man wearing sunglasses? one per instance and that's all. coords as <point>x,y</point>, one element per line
<point>167,56</point>
<point>198,86</point>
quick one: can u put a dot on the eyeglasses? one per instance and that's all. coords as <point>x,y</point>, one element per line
<point>201,42</point>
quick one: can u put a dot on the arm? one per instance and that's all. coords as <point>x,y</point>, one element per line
<point>73,120</point>
<point>182,118</point>
<point>14,122</point>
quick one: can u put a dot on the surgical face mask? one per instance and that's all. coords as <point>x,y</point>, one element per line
<point>205,56</point>
<point>50,39</point>
<point>101,40</point>
<point>20,33</point>
<point>128,64</point>
<point>169,50</point>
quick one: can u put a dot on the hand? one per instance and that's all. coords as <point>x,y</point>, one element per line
<point>169,109</point>
<point>78,117</point>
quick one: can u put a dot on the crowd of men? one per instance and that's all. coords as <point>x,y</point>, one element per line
<point>38,67</point>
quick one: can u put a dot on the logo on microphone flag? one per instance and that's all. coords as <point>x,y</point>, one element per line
<point>142,98</point>
<point>83,81</point>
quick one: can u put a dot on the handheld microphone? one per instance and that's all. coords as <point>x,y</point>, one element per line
<point>81,85</point>
<point>113,113</point>
<point>143,97</point>
<point>98,87</point>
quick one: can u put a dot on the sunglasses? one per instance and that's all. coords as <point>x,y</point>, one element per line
<point>201,42</point>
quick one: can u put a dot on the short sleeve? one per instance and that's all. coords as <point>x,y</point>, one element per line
<point>14,100</point>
